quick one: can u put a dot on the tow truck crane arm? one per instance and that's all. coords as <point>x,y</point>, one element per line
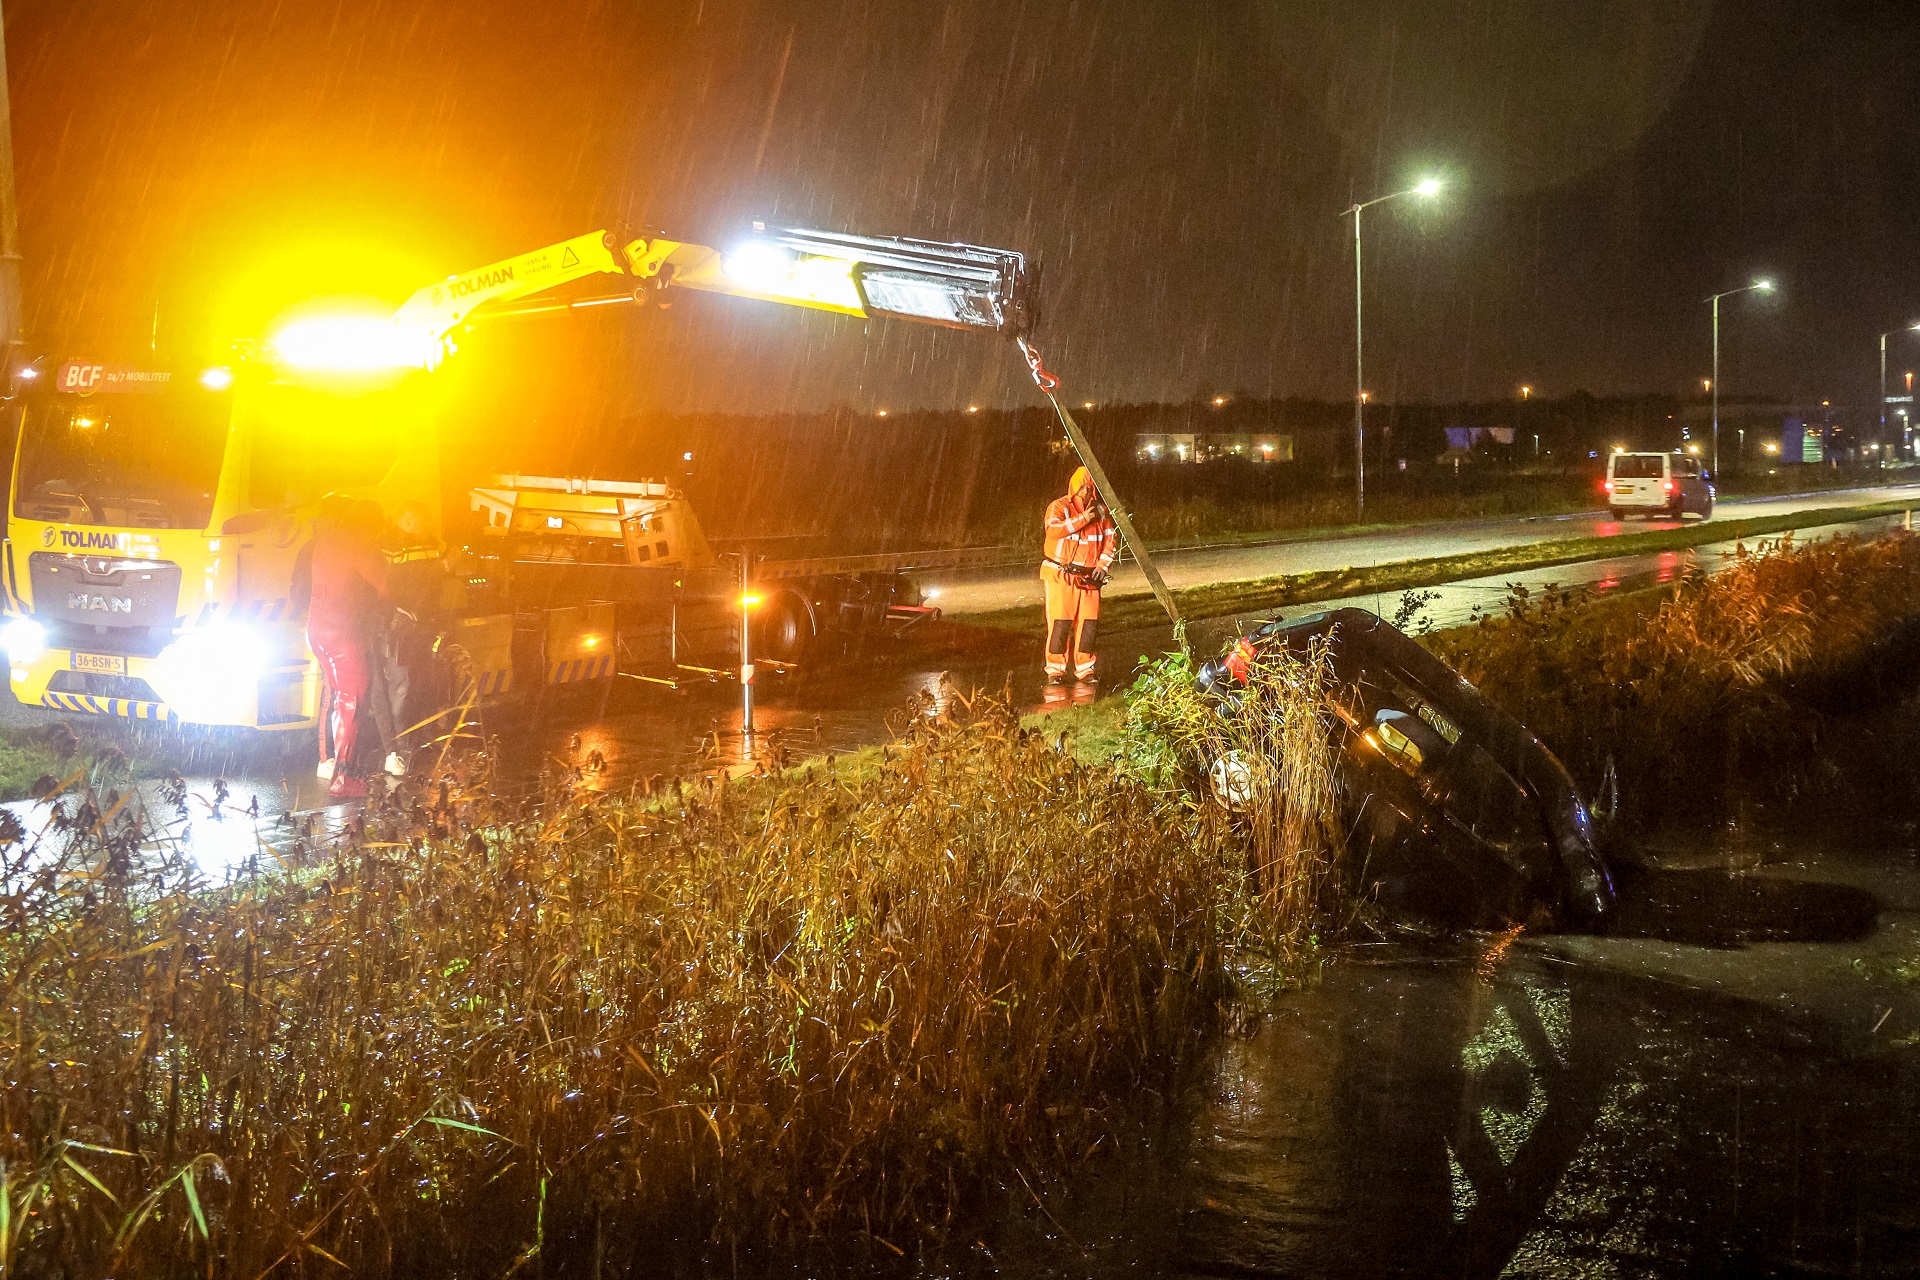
<point>955,285</point>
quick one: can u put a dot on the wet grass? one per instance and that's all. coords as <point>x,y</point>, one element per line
<point>1725,689</point>
<point>583,1033</point>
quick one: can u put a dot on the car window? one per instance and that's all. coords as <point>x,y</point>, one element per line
<point>1638,466</point>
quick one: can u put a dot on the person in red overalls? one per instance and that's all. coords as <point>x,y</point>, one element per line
<point>1079,552</point>
<point>349,603</point>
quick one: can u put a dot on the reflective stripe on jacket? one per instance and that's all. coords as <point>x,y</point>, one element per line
<point>1079,536</point>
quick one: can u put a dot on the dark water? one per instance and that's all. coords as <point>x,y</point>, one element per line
<point>1446,1115</point>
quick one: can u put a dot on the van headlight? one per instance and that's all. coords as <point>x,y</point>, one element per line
<point>212,674</point>
<point>24,640</point>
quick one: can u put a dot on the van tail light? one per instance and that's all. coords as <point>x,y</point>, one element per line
<point>1668,486</point>
<point>1606,486</point>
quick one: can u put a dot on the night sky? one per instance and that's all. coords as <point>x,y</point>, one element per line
<point>1178,169</point>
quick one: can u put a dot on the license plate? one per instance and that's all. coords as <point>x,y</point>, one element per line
<point>105,663</point>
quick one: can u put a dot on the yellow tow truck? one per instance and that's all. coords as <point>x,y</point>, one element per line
<point>160,519</point>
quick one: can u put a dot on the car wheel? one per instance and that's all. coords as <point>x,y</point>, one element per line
<point>1236,780</point>
<point>1615,513</point>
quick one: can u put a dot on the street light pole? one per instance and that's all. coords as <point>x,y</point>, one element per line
<point>1883,382</point>
<point>1359,385</point>
<point>1759,286</point>
<point>1430,187</point>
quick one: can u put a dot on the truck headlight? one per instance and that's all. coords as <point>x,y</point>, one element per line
<point>24,640</point>
<point>212,674</point>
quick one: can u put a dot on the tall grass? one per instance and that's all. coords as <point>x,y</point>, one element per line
<point>1278,736</point>
<point>577,1034</point>
<point>1700,692</point>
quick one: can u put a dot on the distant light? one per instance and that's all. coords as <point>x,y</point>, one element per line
<point>218,378</point>
<point>1429,187</point>
<point>931,593</point>
<point>686,457</point>
<point>1086,404</point>
<point>973,408</point>
<point>30,373</point>
<point>1526,392</point>
<point>1706,384</point>
<point>1694,449</point>
<point>1771,447</point>
<point>590,641</point>
<point>1826,404</point>
<point>747,602</point>
<point>83,422</point>
<point>1218,401</point>
<point>880,413</point>
<point>1764,286</point>
<point>1619,448</point>
<point>1365,396</point>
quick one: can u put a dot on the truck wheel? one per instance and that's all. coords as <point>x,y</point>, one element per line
<point>785,632</point>
<point>1615,513</point>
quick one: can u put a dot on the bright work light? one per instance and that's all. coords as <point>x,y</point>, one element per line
<point>961,286</point>
<point>1430,187</point>
<point>771,271</point>
<point>351,344</point>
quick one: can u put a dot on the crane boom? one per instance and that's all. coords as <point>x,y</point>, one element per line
<point>960,286</point>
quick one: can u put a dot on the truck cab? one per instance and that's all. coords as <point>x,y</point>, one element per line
<point>160,530</point>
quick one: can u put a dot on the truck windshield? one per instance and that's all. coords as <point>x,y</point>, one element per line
<point>129,460</point>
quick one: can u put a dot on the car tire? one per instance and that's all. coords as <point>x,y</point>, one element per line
<point>1615,513</point>
<point>785,631</point>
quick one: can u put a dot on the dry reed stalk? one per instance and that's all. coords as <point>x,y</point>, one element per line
<point>1693,689</point>
<point>482,1034</point>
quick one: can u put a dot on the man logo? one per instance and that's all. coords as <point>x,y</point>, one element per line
<point>49,536</point>
<point>84,603</point>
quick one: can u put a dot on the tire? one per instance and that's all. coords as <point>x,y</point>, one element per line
<point>1617,514</point>
<point>785,631</point>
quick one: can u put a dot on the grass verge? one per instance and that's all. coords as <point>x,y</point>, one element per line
<point>475,1038</point>
<point>1225,599</point>
<point>1727,686</point>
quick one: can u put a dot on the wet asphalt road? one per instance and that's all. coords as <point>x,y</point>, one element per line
<point>983,591</point>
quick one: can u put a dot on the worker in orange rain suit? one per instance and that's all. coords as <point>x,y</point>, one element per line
<point>349,604</point>
<point>1079,552</point>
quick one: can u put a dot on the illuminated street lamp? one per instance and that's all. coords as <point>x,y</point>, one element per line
<point>1758,286</point>
<point>1428,188</point>
<point>1883,377</point>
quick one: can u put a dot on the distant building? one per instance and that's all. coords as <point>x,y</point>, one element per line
<point>1212,446</point>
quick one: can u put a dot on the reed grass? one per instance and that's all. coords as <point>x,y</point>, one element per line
<point>582,1035</point>
<point>1696,694</point>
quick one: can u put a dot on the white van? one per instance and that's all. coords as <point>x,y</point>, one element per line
<point>1668,484</point>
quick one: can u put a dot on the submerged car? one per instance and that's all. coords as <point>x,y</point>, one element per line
<point>1454,811</point>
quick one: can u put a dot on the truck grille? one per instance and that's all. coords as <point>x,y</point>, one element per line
<point>104,590</point>
<point>95,684</point>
